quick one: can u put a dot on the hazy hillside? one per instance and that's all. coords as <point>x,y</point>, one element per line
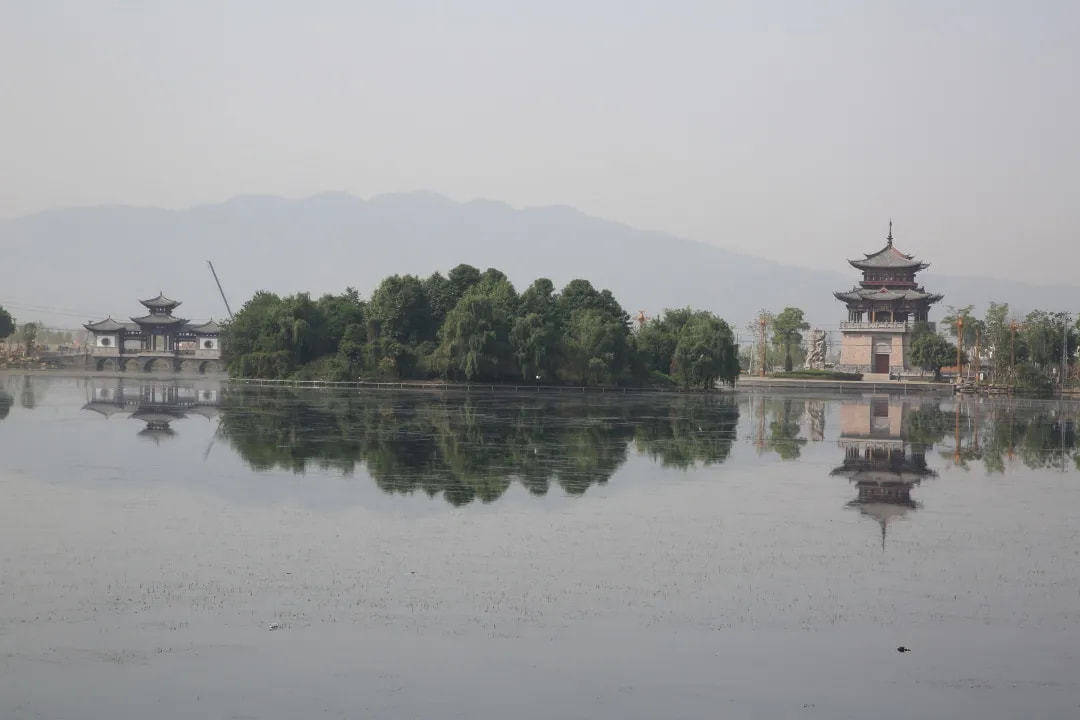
<point>94,261</point>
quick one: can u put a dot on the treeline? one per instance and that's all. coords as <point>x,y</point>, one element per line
<point>474,326</point>
<point>1007,349</point>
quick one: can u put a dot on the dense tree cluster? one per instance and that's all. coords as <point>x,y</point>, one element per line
<point>474,326</point>
<point>1025,351</point>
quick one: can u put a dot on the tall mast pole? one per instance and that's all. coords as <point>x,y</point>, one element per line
<point>220,289</point>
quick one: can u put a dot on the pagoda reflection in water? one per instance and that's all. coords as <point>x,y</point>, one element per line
<point>157,404</point>
<point>880,460</point>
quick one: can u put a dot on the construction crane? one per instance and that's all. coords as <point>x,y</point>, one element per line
<point>220,290</point>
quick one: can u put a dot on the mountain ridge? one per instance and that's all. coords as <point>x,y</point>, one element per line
<point>101,259</point>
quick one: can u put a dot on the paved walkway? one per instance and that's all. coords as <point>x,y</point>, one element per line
<point>852,386</point>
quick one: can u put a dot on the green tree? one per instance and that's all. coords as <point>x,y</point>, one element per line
<point>705,352</point>
<point>460,279</point>
<point>1043,334</point>
<point>337,313</point>
<point>596,348</point>
<point>973,327</point>
<point>932,352</point>
<point>787,327</point>
<point>7,323</point>
<point>998,340</point>
<point>29,335</point>
<point>401,310</point>
<point>469,341</point>
<point>655,342</point>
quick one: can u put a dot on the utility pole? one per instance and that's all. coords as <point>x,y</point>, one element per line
<point>1012,352</point>
<point>977,363</point>
<point>762,323</point>
<point>959,347</point>
<point>1064,349</point>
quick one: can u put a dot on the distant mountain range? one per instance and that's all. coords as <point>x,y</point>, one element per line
<point>67,266</point>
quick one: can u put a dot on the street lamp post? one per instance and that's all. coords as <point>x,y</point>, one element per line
<point>959,346</point>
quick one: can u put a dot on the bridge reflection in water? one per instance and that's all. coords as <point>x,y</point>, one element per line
<point>157,404</point>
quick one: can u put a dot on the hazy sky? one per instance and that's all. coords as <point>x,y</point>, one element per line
<point>788,130</point>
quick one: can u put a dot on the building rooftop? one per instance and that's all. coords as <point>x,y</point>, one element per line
<point>885,294</point>
<point>889,258</point>
<point>106,325</point>
<point>158,320</point>
<point>160,303</point>
<point>210,327</point>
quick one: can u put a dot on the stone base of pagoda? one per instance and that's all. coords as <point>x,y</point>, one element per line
<point>875,348</point>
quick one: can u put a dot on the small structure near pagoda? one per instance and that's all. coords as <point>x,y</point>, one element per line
<point>882,312</point>
<point>815,355</point>
<point>155,341</point>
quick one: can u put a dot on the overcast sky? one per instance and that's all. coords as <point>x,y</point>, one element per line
<point>788,130</point>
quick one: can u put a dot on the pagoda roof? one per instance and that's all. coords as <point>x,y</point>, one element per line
<point>889,257</point>
<point>160,303</point>
<point>158,320</point>
<point>106,325</point>
<point>886,295</point>
<point>210,327</point>
<point>157,415</point>
<point>107,409</point>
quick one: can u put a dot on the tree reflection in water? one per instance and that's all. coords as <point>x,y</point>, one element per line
<point>1037,435</point>
<point>473,447</point>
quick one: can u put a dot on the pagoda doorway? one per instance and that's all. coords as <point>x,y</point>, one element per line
<point>881,362</point>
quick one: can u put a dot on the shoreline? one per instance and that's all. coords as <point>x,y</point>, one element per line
<point>743,385</point>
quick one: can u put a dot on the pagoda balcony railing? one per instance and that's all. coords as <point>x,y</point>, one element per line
<point>875,325</point>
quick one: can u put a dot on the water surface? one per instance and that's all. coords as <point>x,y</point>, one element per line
<point>188,549</point>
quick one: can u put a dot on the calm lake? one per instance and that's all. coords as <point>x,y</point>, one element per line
<point>193,549</point>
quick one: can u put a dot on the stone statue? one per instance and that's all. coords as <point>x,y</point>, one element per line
<point>815,356</point>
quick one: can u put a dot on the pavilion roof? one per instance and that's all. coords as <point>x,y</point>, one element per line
<point>106,325</point>
<point>160,303</point>
<point>158,320</point>
<point>210,327</point>
<point>886,294</point>
<point>889,257</point>
<point>104,408</point>
<point>159,415</point>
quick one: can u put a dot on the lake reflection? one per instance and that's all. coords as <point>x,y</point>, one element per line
<point>466,447</point>
<point>471,447</point>
<point>395,554</point>
<point>157,404</point>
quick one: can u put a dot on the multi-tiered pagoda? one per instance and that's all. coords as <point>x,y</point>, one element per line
<point>882,311</point>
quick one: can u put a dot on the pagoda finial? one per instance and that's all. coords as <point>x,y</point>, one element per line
<point>890,232</point>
